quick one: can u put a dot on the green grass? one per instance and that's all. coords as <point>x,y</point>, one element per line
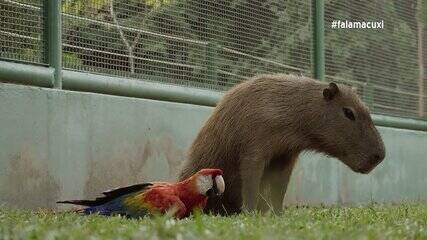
<point>407,221</point>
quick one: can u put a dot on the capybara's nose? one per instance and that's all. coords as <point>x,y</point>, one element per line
<point>376,158</point>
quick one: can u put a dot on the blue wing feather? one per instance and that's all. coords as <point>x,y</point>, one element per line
<point>115,207</point>
<point>112,202</point>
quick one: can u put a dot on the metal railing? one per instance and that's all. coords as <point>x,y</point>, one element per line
<point>97,48</point>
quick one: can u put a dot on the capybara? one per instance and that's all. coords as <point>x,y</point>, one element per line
<point>260,126</point>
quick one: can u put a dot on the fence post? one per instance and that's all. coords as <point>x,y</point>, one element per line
<point>53,39</point>
<point>318,12</point>
<point>421,18</point>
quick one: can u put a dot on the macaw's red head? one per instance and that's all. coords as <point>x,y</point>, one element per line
<point>209,182</point>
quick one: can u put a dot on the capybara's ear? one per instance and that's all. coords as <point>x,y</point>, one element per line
<point>331,91</point>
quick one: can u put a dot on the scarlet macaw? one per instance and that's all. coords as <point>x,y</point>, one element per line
<point>158,197</point>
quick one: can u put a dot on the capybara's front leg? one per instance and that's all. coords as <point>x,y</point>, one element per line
<point>251,171</point>
<point>279,181</point>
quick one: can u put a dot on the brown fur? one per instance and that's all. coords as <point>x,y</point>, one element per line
<point>260,126</point>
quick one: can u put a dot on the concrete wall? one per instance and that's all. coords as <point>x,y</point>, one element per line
<point>60,145</point>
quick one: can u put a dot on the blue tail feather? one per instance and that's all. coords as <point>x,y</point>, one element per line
<point>115,207</point>
<point>107,209</point>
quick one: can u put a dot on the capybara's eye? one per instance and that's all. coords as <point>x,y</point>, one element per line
<point>349,114</point>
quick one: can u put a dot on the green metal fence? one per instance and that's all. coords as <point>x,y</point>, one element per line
<point>383,64</point>
<point>209,44</point>
<point>21,31</point>
<point>201,48</point>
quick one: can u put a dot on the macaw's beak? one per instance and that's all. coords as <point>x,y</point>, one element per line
<point>218,187</point>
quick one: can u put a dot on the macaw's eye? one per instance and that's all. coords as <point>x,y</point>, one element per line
<point>210,193</point>
<point>349,114</point>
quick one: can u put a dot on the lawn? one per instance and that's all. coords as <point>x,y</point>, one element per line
<point>407,221</point>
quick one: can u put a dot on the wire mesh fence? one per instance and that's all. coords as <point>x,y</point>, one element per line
<point>21,30</point>
<point>382,63</point>
<point>209,44</point>
<point>216,44</point>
